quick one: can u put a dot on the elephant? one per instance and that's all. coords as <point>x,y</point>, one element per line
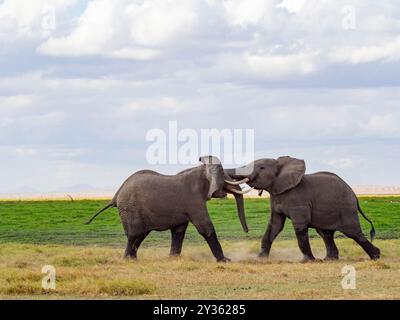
<point>148,201</point>
<point>321,200</point>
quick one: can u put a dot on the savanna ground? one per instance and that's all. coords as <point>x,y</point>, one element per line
<point>89,263</point>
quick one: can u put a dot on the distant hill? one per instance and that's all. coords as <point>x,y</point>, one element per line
<point>83,191</point>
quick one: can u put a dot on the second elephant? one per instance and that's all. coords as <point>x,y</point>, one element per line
<point>321,200</point>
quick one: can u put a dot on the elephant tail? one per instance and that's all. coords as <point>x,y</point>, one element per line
<point>372,232</point>
<point>110,205</point>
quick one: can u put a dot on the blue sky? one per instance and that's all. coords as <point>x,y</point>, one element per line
<point>315,79</point>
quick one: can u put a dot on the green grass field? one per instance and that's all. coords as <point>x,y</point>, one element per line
<point>89,262</point>
<point>62,222</point>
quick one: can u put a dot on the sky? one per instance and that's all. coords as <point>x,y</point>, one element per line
<point>83,82</point>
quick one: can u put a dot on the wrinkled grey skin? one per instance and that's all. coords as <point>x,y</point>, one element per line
<point>322,201</point>
<point>148,201</point>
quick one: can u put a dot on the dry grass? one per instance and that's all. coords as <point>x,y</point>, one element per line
<point>92,272</point>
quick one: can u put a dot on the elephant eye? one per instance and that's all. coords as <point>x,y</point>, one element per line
<point>262,168</point>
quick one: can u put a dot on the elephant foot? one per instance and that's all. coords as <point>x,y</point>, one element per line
<point>224,259</point>
<point>331,258</point>
<point>130,257</point>
<point>263,253</point>
<point>174,255</point>
<point>307,259</point>
<point>376,255</point>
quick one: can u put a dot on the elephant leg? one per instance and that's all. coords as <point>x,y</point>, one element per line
<point>124,216</point>
<point>139,240</point>
<point>304,242</point>
<point>215,246</point>
<point>177,235</point>
<point>133,245</point>
<point>275,226</point>
<point>332,252</point>
<point>373,252</point>
<point>205,227</point>
<point>129,251</point>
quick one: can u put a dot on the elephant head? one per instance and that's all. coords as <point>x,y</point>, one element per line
<point>215,176</point>
<point>220,184</point>
<point>275,176</point>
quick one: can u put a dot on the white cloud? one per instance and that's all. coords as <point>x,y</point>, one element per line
<point>126,30</point>
<point>162,106</point>
<point>287,69</point>
<point>342,163</point>
<point>384,124</point>
<point>14,103</point>
<point>135,54</point>
<point>386,51</point>
<point>157,22</point>
<point>93,34</point>
<point>274,39</point>
<point>293,6</point>
<point>244,13</point>
<point>32,122</point>
<point>278,66</point>
<point>333,119</point>
<point>30,20</point>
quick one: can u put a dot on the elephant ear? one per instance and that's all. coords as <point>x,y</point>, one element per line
<point>290,174</point>
<point>213,171</point>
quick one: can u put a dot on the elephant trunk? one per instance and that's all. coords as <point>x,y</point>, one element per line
<point>238,198</point>
<point>240,209</point>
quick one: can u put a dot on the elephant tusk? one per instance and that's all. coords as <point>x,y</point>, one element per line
<point>236,183</point>
<point>239,192</point>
